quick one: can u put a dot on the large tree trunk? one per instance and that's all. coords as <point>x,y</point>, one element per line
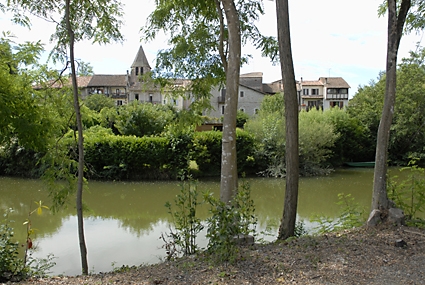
<point>79,199</point>
<point>395,28</point>
<point>287,226</point>
<point>229,171</point>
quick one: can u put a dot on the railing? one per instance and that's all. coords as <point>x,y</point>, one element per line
<point>337,96</point>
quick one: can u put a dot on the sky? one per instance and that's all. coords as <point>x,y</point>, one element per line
<point>330,38</point>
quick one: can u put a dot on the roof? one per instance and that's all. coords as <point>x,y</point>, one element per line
<point>141,59</point>
<point>82,81</point>
<point>252,74</point>
<point>311,83</point>
<point>272,88</point>
<point>329,82</point>
<point>108,80</point>
<point>336,82</point>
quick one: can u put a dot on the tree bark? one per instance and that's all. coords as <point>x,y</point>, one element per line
<point>79,199</point>
<point>287,226</point>
<point>396,22</point>
<point>229,171</point>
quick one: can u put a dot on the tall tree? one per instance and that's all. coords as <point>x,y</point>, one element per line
<point>80,19</point>
<point>205,40</point>
<point>287,226</point>
<point>229,170</point>
<point>397,14</point>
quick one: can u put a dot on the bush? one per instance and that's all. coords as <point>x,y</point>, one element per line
<point>229,221</point>
<point>11,266</point>
<point>207,152</point>
<point>409,194</point>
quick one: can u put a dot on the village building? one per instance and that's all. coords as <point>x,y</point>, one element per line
<point>323,94</point>
<point>135,85</point>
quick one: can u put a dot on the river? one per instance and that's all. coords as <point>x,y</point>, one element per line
<point>124,220</point>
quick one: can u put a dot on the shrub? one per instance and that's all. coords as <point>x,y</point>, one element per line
<point>207,152</point>
<point>409,194</point>
<point>229,221</point>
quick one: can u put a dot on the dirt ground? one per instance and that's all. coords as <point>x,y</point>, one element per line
<point>383,255</point>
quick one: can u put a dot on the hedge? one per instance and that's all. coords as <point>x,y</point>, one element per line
<point>206,152</point>
<point>129,157</point>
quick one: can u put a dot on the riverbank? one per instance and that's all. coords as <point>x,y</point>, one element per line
<point>358,256</point>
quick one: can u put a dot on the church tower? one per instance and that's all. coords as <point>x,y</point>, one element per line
<point>140,66</point>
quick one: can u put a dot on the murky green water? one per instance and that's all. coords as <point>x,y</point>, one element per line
<point>126,219</point>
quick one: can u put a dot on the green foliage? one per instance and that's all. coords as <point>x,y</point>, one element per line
<point>184,220</point>
<point>207,152</point>
<point>409,194</point>
<point>13,267</point>
<point>180,144</point>
<point>317,137</point>
<point>300,229</point>
<point>229,221</point>
<point>97,102</point>
<point>268,128</point>
<point>22,117</point>
<point>408,128</point>
<point>353,142</point>
<point>143,119</point>
<point>241,119</point>
<point>351,216</point>
<point>129,157</point>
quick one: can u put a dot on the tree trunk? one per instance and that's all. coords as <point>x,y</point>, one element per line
<point>287,226</point>
<point>79,199</point>
<point>229,171</point>
<point>395,28</point>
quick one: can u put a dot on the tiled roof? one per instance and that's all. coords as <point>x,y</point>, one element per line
<point>311,83</point>
<point>108,80</point>
<point>252,74</point>
<point>82,82</point>
<point>272,88</point>
<point>336,82</point>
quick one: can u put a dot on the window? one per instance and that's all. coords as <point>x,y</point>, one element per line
<point>151,98</point>
<point>141,70</point>
<point>305,91</point>
<point>136,97</point>
<point>222,110</point>
<point>315,91</point>
<point>137,71</point>
<point>256,111</point>
<point>242,110</point>
<point>117,91</point>
<point>119,102</point>
<point>339,104</point>
<point>241,94</point>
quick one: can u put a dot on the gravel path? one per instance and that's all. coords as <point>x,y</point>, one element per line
<point>359,256</point>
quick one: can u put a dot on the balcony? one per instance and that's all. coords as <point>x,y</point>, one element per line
<point>338,96</point>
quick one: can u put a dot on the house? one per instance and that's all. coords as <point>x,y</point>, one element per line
<point>322,94</point>
<point>251,93</point>
<point>135,85</point>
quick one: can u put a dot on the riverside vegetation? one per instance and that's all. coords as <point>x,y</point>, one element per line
<point>145,141</point>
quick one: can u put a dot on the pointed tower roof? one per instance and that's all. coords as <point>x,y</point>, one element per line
<point>141,59</point>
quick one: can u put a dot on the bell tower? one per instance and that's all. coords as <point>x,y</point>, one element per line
<point>140,66</point>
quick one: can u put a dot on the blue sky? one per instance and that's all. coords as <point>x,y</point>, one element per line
<point>341,38</point>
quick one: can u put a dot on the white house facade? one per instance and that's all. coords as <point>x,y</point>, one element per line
<point>323,94</point>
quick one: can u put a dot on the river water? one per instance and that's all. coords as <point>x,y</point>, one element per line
<point>124,220</point>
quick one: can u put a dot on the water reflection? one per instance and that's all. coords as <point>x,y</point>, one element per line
<point>125,219</point>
